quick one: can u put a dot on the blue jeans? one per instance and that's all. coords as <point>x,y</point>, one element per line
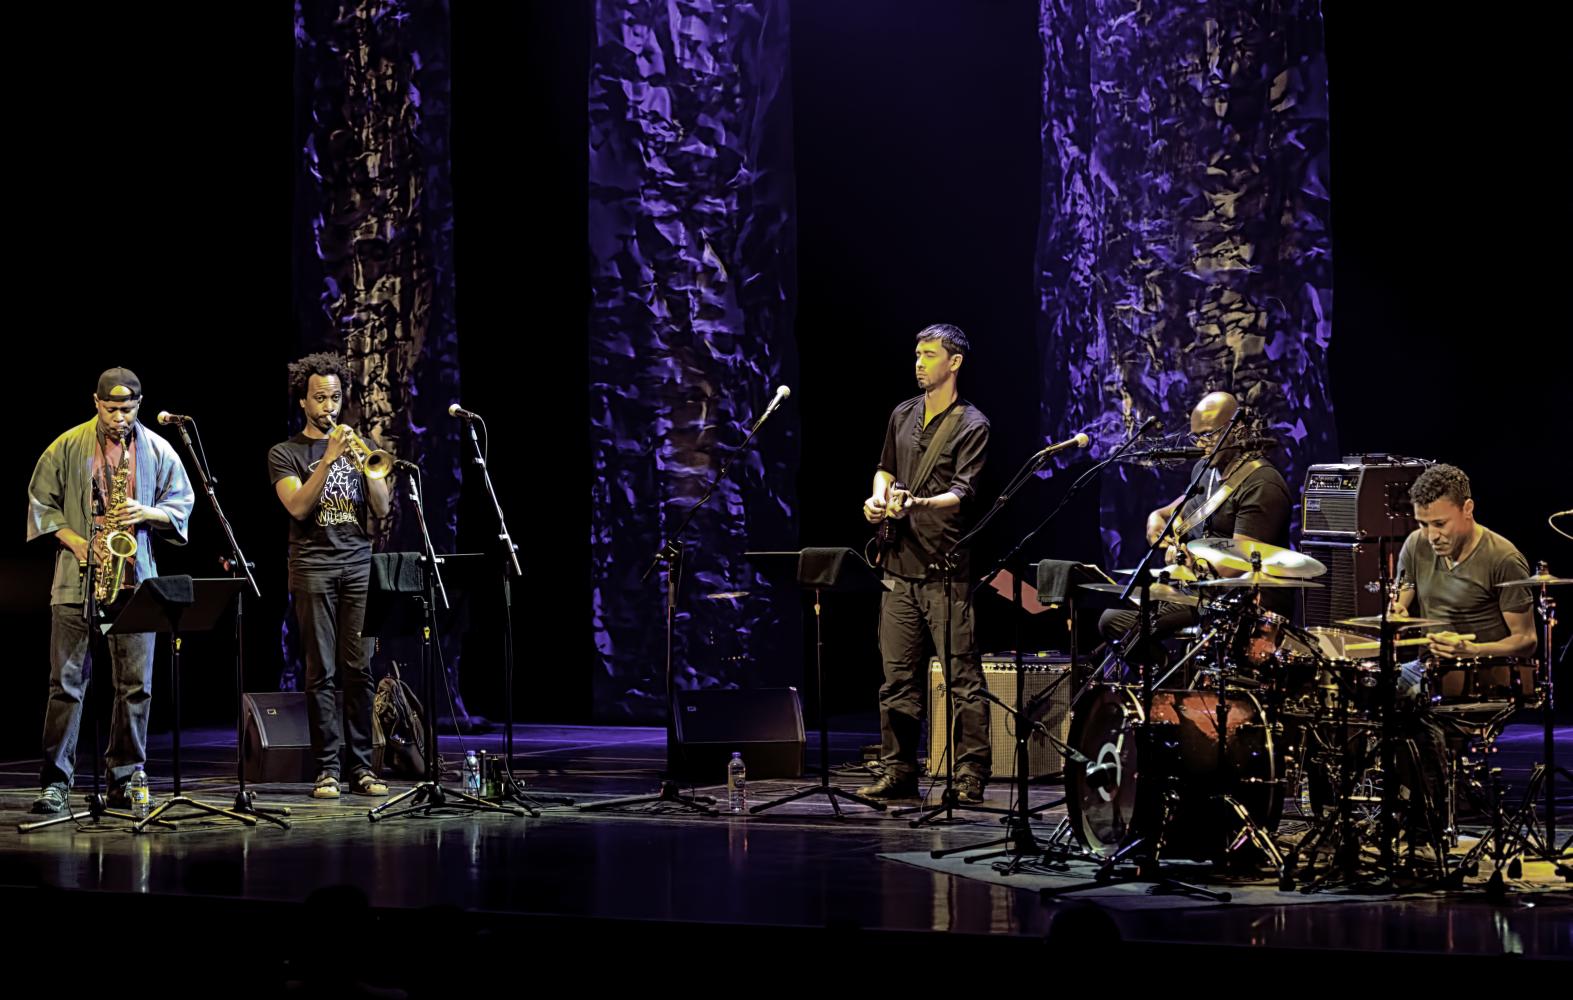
<point>130,670</point>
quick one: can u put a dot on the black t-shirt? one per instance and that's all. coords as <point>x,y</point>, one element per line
<point>925,534</point>
<point>335,533</point>
<point>1258,508</point>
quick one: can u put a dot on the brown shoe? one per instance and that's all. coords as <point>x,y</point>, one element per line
<point>891,787</point>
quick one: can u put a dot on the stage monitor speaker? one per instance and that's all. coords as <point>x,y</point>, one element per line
<point>765,725</point>
<point>278,738</point>
<point>999,676</point>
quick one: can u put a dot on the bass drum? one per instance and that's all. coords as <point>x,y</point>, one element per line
<point>1118,797</point>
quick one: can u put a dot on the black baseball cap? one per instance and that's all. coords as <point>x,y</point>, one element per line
<point>119,385</point>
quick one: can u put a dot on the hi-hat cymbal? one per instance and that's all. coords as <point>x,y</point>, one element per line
<point>1538,580</point>
<point>1157,591</point>
<point>1235,554</point>
<point>1261,580</point>
<point>1393,621</point>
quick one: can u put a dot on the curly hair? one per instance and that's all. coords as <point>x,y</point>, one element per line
<point>321,363</point>
<point>948,335</point>
<point>1440,481</point>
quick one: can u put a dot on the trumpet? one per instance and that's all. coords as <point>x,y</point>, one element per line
<point>374,463</point>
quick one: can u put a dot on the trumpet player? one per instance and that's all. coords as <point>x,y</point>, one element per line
<point>111,479</point>
<point>321,478</point>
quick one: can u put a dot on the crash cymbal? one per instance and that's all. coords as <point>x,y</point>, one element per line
<point>726,595</point>
<point>1157,591</point>
<point>1261,580</point>
<point>1393,621</point>
<point>1538,580</point>
<point>1235,554</point>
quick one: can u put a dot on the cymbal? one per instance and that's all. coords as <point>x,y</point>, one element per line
<point>1538,580</point>
<point>1173,571</point>
<point>1235,554</point>
<point>1261,580</point>
<point>1157,591</point>
<point>726,595</point>
<point>1394,621</point>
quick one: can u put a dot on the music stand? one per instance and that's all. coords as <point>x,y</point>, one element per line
<point>179,604</point>
<point>839,570</point>
<point>407,607</point>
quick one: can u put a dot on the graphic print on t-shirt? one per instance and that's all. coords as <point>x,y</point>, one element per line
<point>340,493</point>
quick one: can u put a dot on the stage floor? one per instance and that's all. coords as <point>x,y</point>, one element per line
<point>796,867</point>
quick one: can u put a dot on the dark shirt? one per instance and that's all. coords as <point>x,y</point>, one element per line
<point>335,533</point>
<point>1466,596</point>
<point>1258,508</point>
<point>924,535</point>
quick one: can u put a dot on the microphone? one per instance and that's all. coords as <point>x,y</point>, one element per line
<point>1079,441</point>
<point>1151,423</point>
<point>455,410</point>
<point>782,392</point>
<point>165,417</point>
<point>1162,454</point>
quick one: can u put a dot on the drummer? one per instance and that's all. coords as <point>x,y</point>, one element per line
<point>1450,570</point>
<point>1243,497</point>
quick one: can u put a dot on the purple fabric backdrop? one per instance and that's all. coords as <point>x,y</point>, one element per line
<point>692,243</point>
<point>374,275</point>
<point>1184,242</point>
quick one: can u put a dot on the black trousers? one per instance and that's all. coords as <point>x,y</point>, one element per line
<point>330,605</point>
<point>912,615</point>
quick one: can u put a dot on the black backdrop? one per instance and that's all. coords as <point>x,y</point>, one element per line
<point>151,182</point>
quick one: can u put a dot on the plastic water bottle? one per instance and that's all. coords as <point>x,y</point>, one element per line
<point>736,784</point>
<point>485,773</point>
<point>472,774</point>
<point>140,795</point>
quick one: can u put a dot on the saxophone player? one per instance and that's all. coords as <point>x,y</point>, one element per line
<point>112,479</point>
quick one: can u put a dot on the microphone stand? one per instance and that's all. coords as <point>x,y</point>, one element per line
<point>512,788</point>
<point>671,553</point>
<point>1019,837</point>
<point>236,565</point>
<point>1146,848</point>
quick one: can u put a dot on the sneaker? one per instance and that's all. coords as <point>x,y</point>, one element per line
<point>51,799</point>
<point>366,783</point>
<point>969,788</point>
<point>327,786</point>
<point>891,787</point>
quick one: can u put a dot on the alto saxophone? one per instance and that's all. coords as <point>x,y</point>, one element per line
<point>116,547</point>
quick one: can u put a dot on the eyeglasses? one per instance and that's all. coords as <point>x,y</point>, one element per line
<point>1203,437</point>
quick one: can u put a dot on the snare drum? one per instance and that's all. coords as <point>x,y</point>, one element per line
<point>1511,679</point>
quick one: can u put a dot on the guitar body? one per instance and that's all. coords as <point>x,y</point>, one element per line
<point>887,534</point>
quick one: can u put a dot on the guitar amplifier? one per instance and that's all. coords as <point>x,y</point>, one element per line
<point>1365,497</point>
<point>999,676</point>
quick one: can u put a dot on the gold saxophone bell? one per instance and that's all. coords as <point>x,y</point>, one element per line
<point>374,463</point>
<point>122,545</point>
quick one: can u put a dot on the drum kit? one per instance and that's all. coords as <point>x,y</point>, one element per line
<point>1257,712</point>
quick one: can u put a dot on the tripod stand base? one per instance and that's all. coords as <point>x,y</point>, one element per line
<point>206,808</point>
<point>246,802</point>
<point>429,795</point>
<point>513,791</point>
<point>831,792</point>
<point>95,813</point>
<point>668,794</point>
<point>949,803</point>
